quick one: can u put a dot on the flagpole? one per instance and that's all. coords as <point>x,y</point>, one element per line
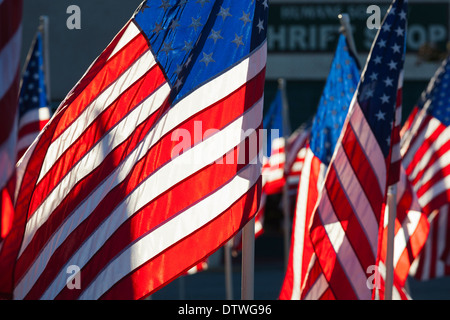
<point>285,195</point>
<point>347,30</point>
<point>248,260</point>
<point>228,270</point>
<point>392,214</point>
<point>44,26</point>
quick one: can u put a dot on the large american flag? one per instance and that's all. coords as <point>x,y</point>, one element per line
<point>348,216</point>
<point>426,158</point>
<point>10,46</point>
<point>340,86</point>
<point>151,163</point>
<point>34,110</point>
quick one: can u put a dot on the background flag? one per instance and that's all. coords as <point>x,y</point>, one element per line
<point>426,158</point>
<point>34,111</point>
<point>336,97</point>
<point>348,217</point>
<point>151,163</point>
<point>10,46</point>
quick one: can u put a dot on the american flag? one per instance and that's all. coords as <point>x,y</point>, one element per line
<point>348,217</point>
<point>34,111</point>
<point>341,84</point>
<point>10,46</point>
<point>151,163</point>
<point>426,158</point>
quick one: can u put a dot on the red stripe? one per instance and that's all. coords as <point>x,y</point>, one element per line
<point>363,171</point>
<point>143,282</point>
<point>10,19</point>
<point>100,77</point>
<point>409,122</point>
<point>32,127</point>
<point>430,184</point>
<point>153,215</point>
<point>437,202</point>
<point>349,222</point>
<point>108,119</point>
<point>166,143</point>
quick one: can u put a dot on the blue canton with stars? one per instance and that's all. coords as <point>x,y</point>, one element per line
<point>196,40</point>
<point>377,92</point>
<point>33,93</point>
<point>436,98</point>
<point>273,120</point>
<point>334,103</point>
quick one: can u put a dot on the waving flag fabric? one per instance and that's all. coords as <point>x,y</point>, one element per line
<point>34,111</point>
<point>348,217</point>
<point>426,158</point>
<point>10,45</point>
<point>333,107</point>
<point>151,163</point>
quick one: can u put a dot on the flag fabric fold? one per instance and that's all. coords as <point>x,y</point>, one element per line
<point>425,146</point>
<point>348,218</point>
<point>326,127</point>
<point>10,48</point>
<point>151,163</point>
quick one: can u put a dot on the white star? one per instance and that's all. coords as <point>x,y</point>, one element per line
<point>382,43</point>
<point>215,35</point>
<point>396,48</point>
<point>224,13</point>
<point>187,46</point>
<point>207,58</point>
<point>403,15</point>
<point>167,47</point>
<point>388,141</point>
<point>237,40</point>
<point>380,115</point>
<point>374,76</point>
<point>265,4</point>
<point>399,31</point>
<point>388,82</point>
<point>195,23</point>
<point>202,2</point>
<point>245,18</point>
<point>377,60</point>
<point>165,5</point>
<point>392,65</point>
<point>178,84</point>
<point>158,27</point>
<point>384,98</point>
<point>260,25</point>
<point>386,27</point>
<point>174,24</point>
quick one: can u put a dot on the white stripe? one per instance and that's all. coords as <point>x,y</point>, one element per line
<point>403,234</point>
<point>396,155</point>
<point>318,289</point>
<point>90,114</point>
<point>431,150</point>
<point>26,141</point>
<point>442,239</point>
<point>425,133</point>
<point>9,61</point>
<point>369,145</point>
<point>34,115</point>
<point>357,198</point>
<point>430,171</point>
<point>130,33</point>
<point>180,168</point>
<point>436,190</point>
<point>344,251</point>
<point>93,159</point>
<point>174,230</point>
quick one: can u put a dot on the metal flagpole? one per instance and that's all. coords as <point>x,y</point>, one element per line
<point>248,260</point>
<point>285,199</point>
<point>392,214</point>
<point>228,270</point>
<point>44,28</point>
<point>347,29</point>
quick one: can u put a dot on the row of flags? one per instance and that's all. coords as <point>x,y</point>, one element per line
<point>102,188</point>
